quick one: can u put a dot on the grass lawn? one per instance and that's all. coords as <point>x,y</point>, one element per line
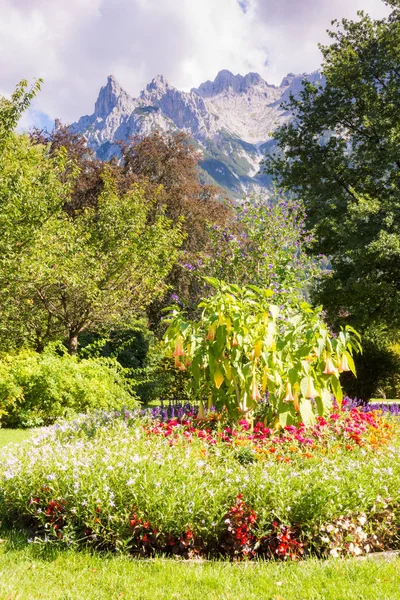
<point>30,572</point>
<point>8,436</point>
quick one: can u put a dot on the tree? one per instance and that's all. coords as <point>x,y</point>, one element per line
<point>264,244</point>
<point>31,194</point>
<point>95,269</point>
<point>171,161</point>
<point>88,180</point>
<point>341,155</point>
<point>72,257</point>
<point>12,109</point>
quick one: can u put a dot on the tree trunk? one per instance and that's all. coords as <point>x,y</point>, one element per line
<point>39,346</point>
<point>73,344</point>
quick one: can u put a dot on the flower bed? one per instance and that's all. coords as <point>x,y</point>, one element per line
<point>192,487</point>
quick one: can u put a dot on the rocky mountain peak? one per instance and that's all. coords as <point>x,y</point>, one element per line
<point>230,119</point>
<point>158,84</point>
<point>110,96</point>
<point>225,80</point>
<point>287,80</point>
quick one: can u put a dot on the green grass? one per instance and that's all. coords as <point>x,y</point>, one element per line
<point>30,572</point>
<point>8,436</point>
<point>384,401</point>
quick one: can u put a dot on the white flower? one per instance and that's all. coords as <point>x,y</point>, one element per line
<point>334,552</point>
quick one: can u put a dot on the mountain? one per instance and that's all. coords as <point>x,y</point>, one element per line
<point>231,119</point>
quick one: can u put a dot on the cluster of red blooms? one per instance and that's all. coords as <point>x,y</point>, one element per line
<point>282,543</point>
<point>144,536</point>
<point>186,545</point>
<point>239,539</point>
<point>53,510</point>
<point>346,426</point>
<point>146,540</point>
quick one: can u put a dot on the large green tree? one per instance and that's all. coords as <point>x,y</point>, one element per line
<point>341,155</point>
<point>12,108</point>
<point>94,270</point>
<point>63,272</point>
<point>31,193</point>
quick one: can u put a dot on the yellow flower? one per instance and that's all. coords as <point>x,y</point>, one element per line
<point>218,378</point>
<point>179,347</point>
<point>289,396</point>
<point>311,391</point>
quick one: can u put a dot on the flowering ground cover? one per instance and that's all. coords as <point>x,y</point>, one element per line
<point>149,484</point>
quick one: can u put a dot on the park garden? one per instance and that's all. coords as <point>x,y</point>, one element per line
<point>198,396</point>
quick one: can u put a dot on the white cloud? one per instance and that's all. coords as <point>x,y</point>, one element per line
<point>295,27</point>
<point>75,44</point>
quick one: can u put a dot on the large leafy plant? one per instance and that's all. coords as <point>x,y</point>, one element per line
<point>245,348</point>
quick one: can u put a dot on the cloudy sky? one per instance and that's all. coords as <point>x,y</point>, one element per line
<point>75,44</point>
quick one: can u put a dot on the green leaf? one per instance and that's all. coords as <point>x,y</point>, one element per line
<point>212,281</point>
<point>351,363</point>
<point>337,390</point>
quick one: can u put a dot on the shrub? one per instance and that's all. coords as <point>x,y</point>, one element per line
<point>244,345</point>
<point>378,369</point>
<point>264,244</point>
<point>36,389</point>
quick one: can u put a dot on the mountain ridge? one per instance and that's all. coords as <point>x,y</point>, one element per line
<point>231,119</point>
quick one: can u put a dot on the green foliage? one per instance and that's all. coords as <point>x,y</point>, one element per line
<point>161,380</point>
<point>95,269</point>
<point>378,369</point>
<point>12,109</point>
<point>138,351</point>
<point>129,346</point>
<point>36,389</point>
<point>264,245</point>
<point>341,156</point>
<point>244,345</point>
<point>31,194</point>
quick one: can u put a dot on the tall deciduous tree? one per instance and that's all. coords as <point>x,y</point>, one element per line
<point>65,271</point>
<point>88,183</point>
<point>341,155</point>
<point>98,268</point>
<point>171,161</point>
